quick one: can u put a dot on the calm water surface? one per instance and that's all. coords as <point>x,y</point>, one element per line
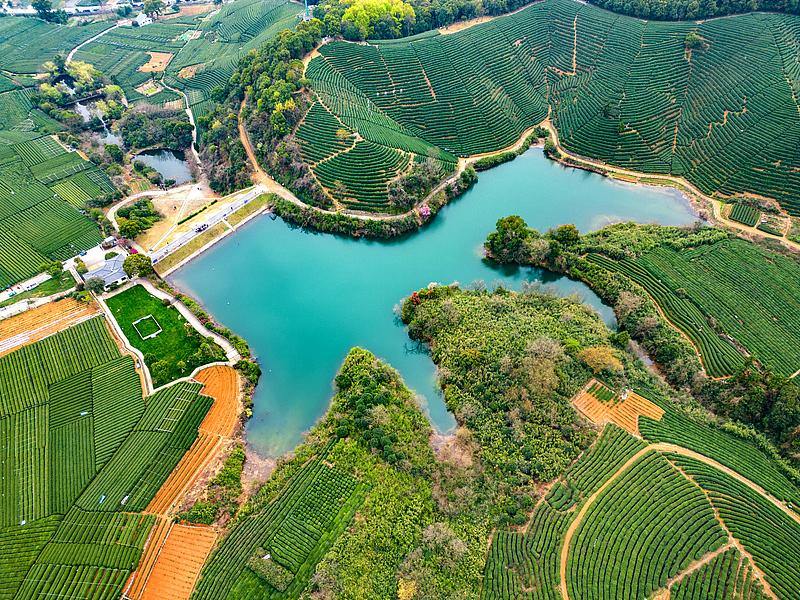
<point>170,164</point>
<point>302,300</point>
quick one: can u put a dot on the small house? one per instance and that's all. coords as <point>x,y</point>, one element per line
<point>142,19</point>
<point>111,272</point>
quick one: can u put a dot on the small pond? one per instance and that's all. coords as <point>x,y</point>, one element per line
<point>302,300</point>
<point>170,164</point>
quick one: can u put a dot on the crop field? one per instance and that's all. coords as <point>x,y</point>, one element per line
<point>730,288</point>
<point>619,89</point>
<point>28,43</point>
<point>37,323</point>
<point>744,214</point>
<point>209,43</point>
<point>602,405</point>
<point>179,562</point>
<point>37,223</point>
<point>272,552</point>
<point>82,453</point>
<point>633,518</point>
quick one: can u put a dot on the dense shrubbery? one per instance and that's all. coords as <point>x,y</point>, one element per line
<point>753,396</point>
<point>67,83</point>
<point>148,126</point>
<point>220,499</point>
<point>137,217</point>
<point>689,10</point>
<point>508,365</point>
<point>421,523</point>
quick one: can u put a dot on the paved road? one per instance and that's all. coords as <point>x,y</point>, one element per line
<point>89,41</point>
<point>212,220</point>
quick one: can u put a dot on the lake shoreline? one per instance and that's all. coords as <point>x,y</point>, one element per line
<point>302,300</point>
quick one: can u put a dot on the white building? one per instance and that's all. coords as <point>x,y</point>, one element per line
<point>142,19</point>
<point>111,272</point>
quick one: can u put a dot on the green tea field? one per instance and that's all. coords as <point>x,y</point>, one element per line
<point>723,115</point>
<point>731,289</point>
<point>192,54</point>
<point>673,515</point>
<point>82,454</point>
<point>41,190</point>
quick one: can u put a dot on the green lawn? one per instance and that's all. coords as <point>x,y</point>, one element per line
<point>177,350</point>
<point>47,288</point>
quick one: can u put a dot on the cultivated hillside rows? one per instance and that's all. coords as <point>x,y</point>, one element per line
<point>724,115</point>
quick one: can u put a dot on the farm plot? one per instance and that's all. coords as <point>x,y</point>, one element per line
<point>746,215</point>
<point>728,289</point>
<point>37,224</point>
<point>273,552</point>
<point>618,89</point>
<point>81,454</point>
<point>35,324</point>
<point>180,559</point>
<point>648,526</point>
<point>602,405</point>
<point>28,43</point>
<point>221,384</point>
<point>209,56</point>
<point>768,534</point>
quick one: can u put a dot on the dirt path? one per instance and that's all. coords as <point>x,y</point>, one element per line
<point>658,447</point>
<point>693,193</point>
<point>695,565</point>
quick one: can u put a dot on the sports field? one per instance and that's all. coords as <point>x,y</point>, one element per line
<point>171,347</point>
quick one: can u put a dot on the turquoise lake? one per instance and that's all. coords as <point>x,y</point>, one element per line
<point>302,299</point>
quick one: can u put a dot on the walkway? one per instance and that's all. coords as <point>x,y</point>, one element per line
<point>85,42</point>
<point>231,353</point>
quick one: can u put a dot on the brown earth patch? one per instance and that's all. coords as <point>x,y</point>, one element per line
<point>221,383</point>
<point>38,323</point>
<point>172,563</point>
<point>189,72</point>
<point>189,10</point>
<point>158,62</point>
<point>623,410</point>
<point>149,88</point>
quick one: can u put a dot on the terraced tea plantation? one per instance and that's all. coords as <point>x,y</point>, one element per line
<point>42,188</point>
<point>28,43</point>
<point>731,288</point>
<point>82,453</point>
<point>635,518</point>
<point>193,54</point>
<point>272,553</point>
<point>619,89</point>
